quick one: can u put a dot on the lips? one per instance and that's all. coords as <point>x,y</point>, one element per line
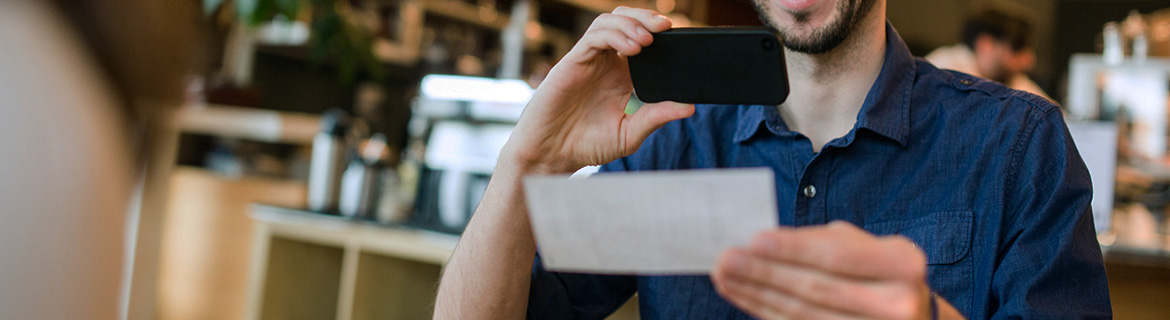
<point>797,5</point>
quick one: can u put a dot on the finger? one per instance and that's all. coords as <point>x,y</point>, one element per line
<point>635,24</point>
<point>610,39</point>
<point>815,287</point>
<point>844,249</point>
<point>653,21</point>
<point>845,295</point>
<point>650,117</point>
<point>629,26</point>
<point>766,303</point>
<point>742,298</point>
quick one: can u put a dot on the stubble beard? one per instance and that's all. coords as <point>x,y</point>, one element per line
<point>850,14</point>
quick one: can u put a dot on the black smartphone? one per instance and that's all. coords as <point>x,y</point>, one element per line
<point>720,65</point>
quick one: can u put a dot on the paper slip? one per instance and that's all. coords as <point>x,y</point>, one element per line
<point>662,222</point>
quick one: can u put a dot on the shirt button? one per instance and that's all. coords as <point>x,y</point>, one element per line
<point>810,191</point>
<point>966,82</point>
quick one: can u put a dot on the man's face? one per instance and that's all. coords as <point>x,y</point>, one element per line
<point>999,62</point>
<point>814,26</point>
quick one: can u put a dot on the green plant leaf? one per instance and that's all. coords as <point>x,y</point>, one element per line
<point>265,11</point>
<point>289,8</point>
<point>337,35</point>
<point>324,28</point>
<point>209,6</point>
<point>245,9</point>
<point>335,32</point>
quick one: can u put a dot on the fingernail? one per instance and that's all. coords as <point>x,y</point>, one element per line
<point>642,32</point>
<point>633,43</point>
<point>660,17</point>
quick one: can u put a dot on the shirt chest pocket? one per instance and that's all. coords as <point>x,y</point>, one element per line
<point>945,238</point>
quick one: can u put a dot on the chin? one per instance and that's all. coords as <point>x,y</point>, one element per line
<point>801,23</point>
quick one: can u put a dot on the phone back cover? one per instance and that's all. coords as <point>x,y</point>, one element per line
<point>735,65</point>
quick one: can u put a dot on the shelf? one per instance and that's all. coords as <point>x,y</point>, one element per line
<point>249,123</point>
<point>1148,257</point>
<point>308,265</point>
<point>597,6</point>
<point>315,266</point>
<point>393,240</point>
<point>397,60</point>
<point>469,13</point>
<point>407,293</point>
<point>306,289</point>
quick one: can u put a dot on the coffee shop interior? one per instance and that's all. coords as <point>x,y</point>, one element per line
<point>327,154</point>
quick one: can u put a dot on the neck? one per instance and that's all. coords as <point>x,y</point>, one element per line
<point>828,89</point>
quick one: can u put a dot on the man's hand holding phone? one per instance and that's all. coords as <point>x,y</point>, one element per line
<point>577,116</point>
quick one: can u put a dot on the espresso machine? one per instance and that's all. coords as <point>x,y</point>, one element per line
<point>457,129</point>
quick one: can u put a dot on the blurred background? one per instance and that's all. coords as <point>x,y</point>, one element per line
<point>320,157</point>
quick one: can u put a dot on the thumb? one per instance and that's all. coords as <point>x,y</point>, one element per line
<point>650,117</point>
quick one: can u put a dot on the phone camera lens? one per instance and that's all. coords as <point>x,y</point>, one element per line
<point>767,44</point>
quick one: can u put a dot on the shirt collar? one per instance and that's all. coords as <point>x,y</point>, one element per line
<point>886,110</point>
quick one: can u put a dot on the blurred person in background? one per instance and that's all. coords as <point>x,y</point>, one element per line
<point>85,88</point>
<point>996,46</point>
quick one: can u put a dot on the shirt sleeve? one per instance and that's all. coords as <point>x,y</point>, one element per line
<point>1051,266</point>
<point>557,295</point>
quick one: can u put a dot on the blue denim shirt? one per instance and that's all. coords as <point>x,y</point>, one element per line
<point>986,180</point>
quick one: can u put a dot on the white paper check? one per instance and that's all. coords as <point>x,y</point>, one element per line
<point>661,222</point>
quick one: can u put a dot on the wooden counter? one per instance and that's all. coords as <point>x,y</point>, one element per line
<point>328,267</point>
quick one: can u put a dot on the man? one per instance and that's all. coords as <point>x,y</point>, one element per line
<point>996,45</point>
<point>955,197</point>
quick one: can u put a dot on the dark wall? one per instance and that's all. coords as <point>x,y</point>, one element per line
<point>287,80</point>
